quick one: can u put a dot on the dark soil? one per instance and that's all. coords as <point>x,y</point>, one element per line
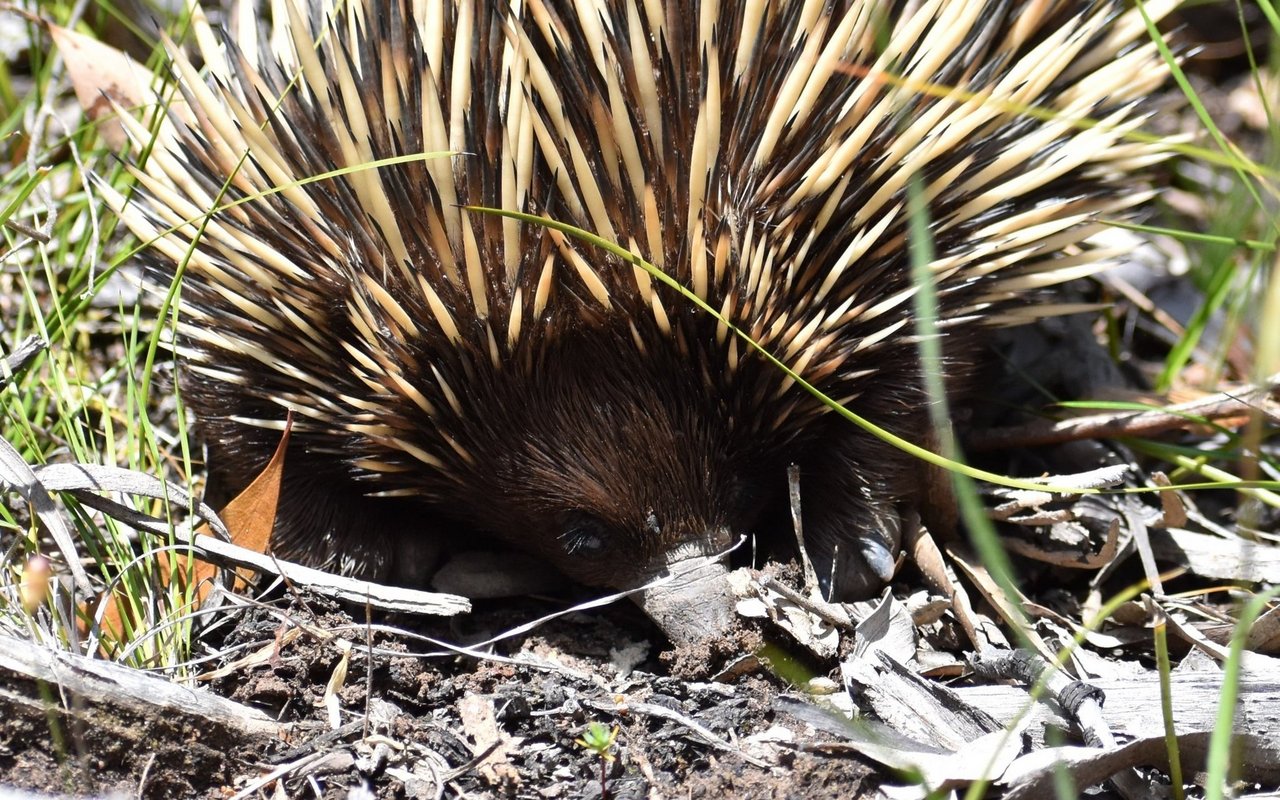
<point>97,749</point>
<point>427,721</point>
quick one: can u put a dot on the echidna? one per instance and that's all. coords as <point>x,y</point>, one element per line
<point>452,371</point>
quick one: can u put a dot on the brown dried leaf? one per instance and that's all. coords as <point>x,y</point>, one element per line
<point>249,517</point>
<point>104,78</point>
<point>1173,512</point>
<point>479,720</point>
<point>929,559</point>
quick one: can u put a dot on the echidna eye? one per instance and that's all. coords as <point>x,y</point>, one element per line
<point>583,535</point>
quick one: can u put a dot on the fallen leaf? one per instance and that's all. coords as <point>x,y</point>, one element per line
<point>249,518</point>
<point>104,79</point>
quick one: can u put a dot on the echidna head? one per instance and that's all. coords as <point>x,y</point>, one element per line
<point>608,462</point>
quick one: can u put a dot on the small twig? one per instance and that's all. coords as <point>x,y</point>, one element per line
<point>279,772</point>
<point>146,772</point>
<point>21,356</point>
<point>457,772</point>
<point>368,664</point>
<point>27,231</point>
<point>1116,424</point>
<point>793,489</point>
<point>820,610</point>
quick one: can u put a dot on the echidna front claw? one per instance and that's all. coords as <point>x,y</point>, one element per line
<point>879,546</point>
<point>864,557</point>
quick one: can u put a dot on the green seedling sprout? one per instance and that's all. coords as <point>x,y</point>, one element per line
<point>599,739</point>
